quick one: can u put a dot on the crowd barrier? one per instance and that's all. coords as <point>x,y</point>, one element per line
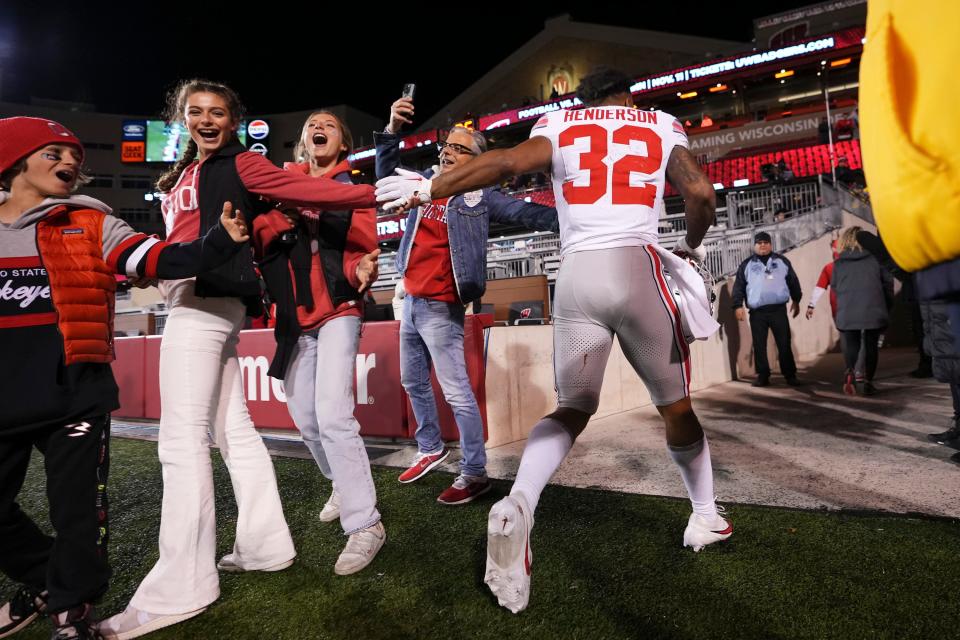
<point>383,409</point>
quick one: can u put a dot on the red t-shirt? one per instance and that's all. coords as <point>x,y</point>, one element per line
<point>429,269</point>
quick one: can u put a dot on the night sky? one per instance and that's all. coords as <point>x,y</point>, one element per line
<point>123,58</point>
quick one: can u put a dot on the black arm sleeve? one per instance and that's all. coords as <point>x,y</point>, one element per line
<point>182,260</point>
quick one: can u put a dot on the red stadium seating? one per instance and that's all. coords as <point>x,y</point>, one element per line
<point>803,161</point>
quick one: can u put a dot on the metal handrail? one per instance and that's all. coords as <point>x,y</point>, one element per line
<point>728,243</point>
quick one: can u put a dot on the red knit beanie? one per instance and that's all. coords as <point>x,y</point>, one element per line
<point>21,136</point>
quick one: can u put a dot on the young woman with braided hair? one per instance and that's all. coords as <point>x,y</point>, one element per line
<point>201,389</point>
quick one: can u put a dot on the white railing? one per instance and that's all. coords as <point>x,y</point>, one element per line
<point>771,204</point>
<point>727,246</point>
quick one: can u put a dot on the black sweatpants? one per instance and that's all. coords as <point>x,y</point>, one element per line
<point>772,318</point>
<point>871,347</point>
<point>73,565</point>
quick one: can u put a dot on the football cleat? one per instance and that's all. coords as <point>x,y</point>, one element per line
<point>702,531</point>
<point>509,558</point>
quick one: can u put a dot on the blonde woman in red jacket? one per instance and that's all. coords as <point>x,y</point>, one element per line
<point>317,265</point>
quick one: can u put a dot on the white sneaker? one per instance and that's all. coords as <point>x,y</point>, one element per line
<point>361,549</point>
<point>133,623</point>
<point>331,510</point>
<point>702,531</point>
<point>229,564</point>
<point>509,558</point>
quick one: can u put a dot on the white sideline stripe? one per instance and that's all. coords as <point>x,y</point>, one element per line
<point>137,256</point>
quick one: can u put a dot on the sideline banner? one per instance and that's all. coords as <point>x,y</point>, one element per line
<point>382,406</point>
<point>718,143</point>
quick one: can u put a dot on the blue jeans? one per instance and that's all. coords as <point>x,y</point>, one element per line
<point>319,388</point>
<point>431,330</point>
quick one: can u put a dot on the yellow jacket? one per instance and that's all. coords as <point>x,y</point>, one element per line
<point>909,128</point>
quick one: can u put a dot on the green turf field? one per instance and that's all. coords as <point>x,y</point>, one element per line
<point>606,565</point>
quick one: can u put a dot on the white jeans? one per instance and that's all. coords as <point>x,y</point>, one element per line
<point>319,389</point>
<point>201,394</point>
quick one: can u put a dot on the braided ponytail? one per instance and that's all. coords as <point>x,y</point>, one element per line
<point>168,180</point>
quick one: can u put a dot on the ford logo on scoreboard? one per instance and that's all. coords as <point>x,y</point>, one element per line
<point>258,129</point>
<point>134,129</point>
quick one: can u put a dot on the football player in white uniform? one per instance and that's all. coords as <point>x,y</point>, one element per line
<point>609,162</point>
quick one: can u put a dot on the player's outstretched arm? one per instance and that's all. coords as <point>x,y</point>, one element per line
<point>701,200</point>
<point>494,167</point>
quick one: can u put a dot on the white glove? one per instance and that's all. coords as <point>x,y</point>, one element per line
<point>407,188</point>
<point>684,251</point>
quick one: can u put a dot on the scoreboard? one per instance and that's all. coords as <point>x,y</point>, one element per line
<point>163,142</point>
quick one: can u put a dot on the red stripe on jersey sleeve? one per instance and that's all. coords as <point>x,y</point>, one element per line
<point>123,246</point>
<point>153,256</point>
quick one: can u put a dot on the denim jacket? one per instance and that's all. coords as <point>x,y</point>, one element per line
<point>468,223</point>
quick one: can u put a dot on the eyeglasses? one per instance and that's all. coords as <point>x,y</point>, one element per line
<point>458,149</point>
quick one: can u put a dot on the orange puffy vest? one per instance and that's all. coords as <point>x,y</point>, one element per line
<point>82,286</point>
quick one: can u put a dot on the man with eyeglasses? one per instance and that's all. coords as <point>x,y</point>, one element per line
<point>443,261</point>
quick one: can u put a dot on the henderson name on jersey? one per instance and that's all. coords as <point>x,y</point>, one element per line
<point>609,173</point>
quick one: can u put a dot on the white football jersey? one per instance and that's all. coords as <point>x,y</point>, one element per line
<point>609,172</point>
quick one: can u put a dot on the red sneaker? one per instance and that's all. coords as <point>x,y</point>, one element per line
<point>424,463</point>
<point>849,383</point>
<point>464,489</point>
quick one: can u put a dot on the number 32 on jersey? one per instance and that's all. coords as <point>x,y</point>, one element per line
<point>617,178</point>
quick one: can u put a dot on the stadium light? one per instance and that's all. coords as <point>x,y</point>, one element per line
<point>784,73</point>
<point>742,182</point>
<point>840,63</point>
<point>717,186</point>
<point>718,88</point>
<point>688,94</point>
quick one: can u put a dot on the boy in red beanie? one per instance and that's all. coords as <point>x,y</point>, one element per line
<point>58,256</point>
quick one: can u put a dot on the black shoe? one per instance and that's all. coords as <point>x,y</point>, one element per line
<point>761,381</point>
<point>955,458</point>
<point>794,381</point>
<point>953,433</point>
<point>922,372</point>
<point>869,389</point>
<point>22,609</point>
<point>75,624</point>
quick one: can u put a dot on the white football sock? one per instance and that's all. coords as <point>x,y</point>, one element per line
<point>697,474</point>
<point>548,444</point>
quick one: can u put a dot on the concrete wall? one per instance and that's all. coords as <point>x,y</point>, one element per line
<point>520,384</point>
